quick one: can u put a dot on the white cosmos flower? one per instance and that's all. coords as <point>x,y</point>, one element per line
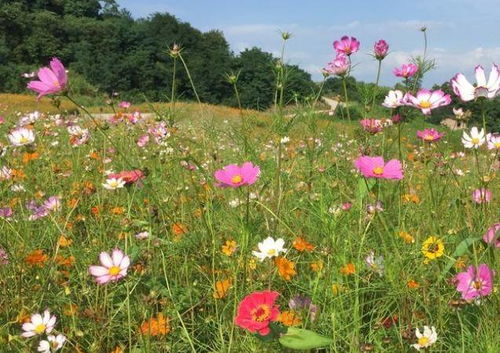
<point>493,141</point>
<point>39,324</point>
<point>475,139</point>
<point>52,344</point>
<point>269,248</point>
<point>467,92</point>
<point>114,183</point>
<point>394,99</point>
<point>427,339</point>
<point>21,136</point>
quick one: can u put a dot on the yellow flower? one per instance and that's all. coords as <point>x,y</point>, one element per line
<point>221,288</point>
<point>406,237</point>
<point>432,248</point>
<point>229,247</point>
<point>289,318</point>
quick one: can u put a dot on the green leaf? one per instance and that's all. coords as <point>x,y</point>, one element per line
<point>364,186</point>
<point>301,339</point>
<point>461,249</point>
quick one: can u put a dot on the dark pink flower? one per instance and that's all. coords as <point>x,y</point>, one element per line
<point>429,135</point>
<point>372,126</point>
<point>406,70</point>
<point>346,45</point>
<point>256,311</point>
<point>492,235</point>
<point>380,49</point>
<point>235,176</point>
<point>375,167</point>
<point>475,282</point>
<point>52,80</point>
<point>128,176</point>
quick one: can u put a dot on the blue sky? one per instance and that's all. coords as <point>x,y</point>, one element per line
<point>462,33</point>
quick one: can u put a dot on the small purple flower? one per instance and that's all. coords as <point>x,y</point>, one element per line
<point>6,212</point>
<point>53,203</point>
<point>302,302</point>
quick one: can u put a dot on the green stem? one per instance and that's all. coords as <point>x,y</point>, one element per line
<point>375,89</point>
<point>190,78</point>
<point>344,85</point>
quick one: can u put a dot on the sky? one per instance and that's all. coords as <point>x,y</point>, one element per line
<point>461,33</point>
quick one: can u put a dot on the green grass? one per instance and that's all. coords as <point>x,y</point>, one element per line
<point>175,274</point>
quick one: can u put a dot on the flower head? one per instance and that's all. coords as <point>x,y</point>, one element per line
<point>432,248</point>
<point>39,324</point>
<point>429,135</point>
<point>426,339</point>
<point>78,136</point>
<point>339,66</point>
<point>375,167</point>
<point>346,45</point>
<point>475,140</point>
<point>475,282</point>
<point>235,176</point>
<point>394,99</point>
<point>113,267</point>
<point>493,141</point>
<point>269,248</point>
<point>128,176</point>
<point>427,100</point>
<point>256,311</point>
<point>51,344</point>
<point>114,183</point>
<point>376,264</point>
<point>52,80</point>
<point>21,136</point>
<point>467,92</point>
<point>482,195</point>
<point>380,49</point>
<point>406,70</point>
<point>372,126</point>
<point>492,235</point>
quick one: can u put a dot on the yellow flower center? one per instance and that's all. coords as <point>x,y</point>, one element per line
<point>425,104</point>
<point>236,179</point>
<point>40,328</point>
<point>428,137</point>
<point>114,270</point>
<point>497,144</point>
<point>475,141</point>
<point>261,313</point>
<point>271,252</point>
<point>378,170</point>
<point>423,341</point>
<point>23,139</point>
<point>477,284</point>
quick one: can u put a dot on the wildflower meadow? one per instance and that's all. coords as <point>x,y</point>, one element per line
<point>184,227</point>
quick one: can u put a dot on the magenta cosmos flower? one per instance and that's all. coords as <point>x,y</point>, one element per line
<point>339,66</point>
<point>467,92</point>
<point>492,235</point>
<point>482,195</point>
<point>375,167</point>
<point>427,100</point>
<point>346,45</point>
<point>429,135</point>
<point>235,176</point>
<point>475,282</point>
<point>113,267</point>
<point>406,70</point>
<point>52,80</point>
<point>380,49</point>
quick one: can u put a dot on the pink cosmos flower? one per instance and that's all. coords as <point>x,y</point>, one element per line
<point>406,70</point>
<point>143,140</point>
<point>339,66</point>
<point>346,45</point>
<point>375,167</point>
<point>372,126</point>
<point>475,282</point>
<point>380,49</point>
<point>124,104</point>
<point>128,176</point>
<point>492,235</point>
<point>52,80</point>
<point>467,92</point>
<point>427,100</point>
<point>482,195</point>
<point>235,176</point>
<point>429,135</point>
<point>114,267</point>
<point>256,311</point>
<point>493,141</point>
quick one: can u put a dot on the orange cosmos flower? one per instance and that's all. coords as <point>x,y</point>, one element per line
<point>27,157</point>
<point>301,244</point>
<point>317,266</point>
<point>412,284</point>
<point>289,318</point>
<point>179,229</point>
<point>286,268</point>
<point>406,237</point>
<point>221,288</point>
<point>348,269</point>
<point>36,258</point>
<point>158,326</point>
<point>229,247</point>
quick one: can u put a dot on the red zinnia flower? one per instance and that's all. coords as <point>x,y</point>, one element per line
<point>257,310</point>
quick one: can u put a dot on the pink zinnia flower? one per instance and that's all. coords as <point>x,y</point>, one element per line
<point>482,195</point>
<point>380,49</point>
<point>339,66</point>
<point>475,282</point>
<point>405,71</point>
<point>427,100</point>
<point>375,167</point>
<point>114,267</point>
<point>234,176</point>
<point>492,235</point>
<point>467,92</point>
<point>346,45</point>
<point>128,176</point>
<point>52,80</point>
<point>372,126</point>
<point>429,135</point>
<point>256,311</point>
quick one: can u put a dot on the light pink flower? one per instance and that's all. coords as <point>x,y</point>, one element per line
<point>429,135</point>
<point>235,176</point>
<point>493,141</point>
<point>475,282</point>
<point>492,235</point>
<point>39,324</point>
<point>143,140</point>
<point>427,100</point>
<point>372,126</point>
<point>52,80</point>
<point>406,70</point>
<point>113,267</point>
<point>467,92</point>
<point>375,167</point>
<point>482,195</point>
<point>124,104</point>
<point>380,49</point>
<point>346,45</point>
<point>339,66</point>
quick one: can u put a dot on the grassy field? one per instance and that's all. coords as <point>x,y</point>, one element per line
<point>191,242</point>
